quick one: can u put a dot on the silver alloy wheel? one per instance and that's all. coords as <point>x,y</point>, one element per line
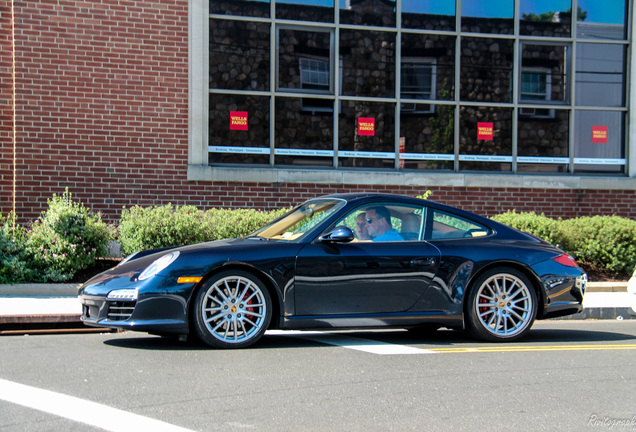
<point>504,305</point>
<point>234,309</point>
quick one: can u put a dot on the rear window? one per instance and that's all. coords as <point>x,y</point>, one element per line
<point>449,226</point>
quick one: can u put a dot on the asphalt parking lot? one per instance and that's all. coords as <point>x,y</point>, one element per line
<point>566,375</point>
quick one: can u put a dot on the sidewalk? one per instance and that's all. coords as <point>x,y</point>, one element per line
<point>58,304</point>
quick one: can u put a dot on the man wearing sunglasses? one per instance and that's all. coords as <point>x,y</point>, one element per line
<point>379,225</point>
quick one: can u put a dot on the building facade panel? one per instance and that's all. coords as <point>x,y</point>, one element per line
<point>265,103</point>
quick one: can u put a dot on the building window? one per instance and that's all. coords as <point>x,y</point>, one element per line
<point>535,84</point>
<point>304,60</point>
<point>513,86</point>
<point>314,74</point>
<point>417,82</point>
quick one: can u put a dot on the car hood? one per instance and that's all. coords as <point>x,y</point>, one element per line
<point>201,257</point>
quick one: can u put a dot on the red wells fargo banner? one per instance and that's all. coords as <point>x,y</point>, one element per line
<point>599,134</point>
<point>366,126</point>
<point>238,120</point>
<point>484,131</point>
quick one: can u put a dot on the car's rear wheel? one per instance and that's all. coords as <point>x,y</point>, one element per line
<point>502,305</point>
<point>232,310</point>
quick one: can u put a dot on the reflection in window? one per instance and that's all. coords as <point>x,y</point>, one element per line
<point>379,13</point>
<point>493,16</point>
<point>366,134</point>
<point>437,51</point>
<point>427,140</point>
<point>548,19</point>
<point>535,84</point>
<point>601,19</point>
<point>304,60</point>
<point>303,138</point>
<point>252,8</point>
<point>485,138</point>
<point>418,14</point>
<point>418,82</point>
<point>486,69</point>
<point>316,10</point>
<point>239,55</point>
<point>543,142</point>
<point>314,73</point>
<point>600,70</point>
<point>598,138</point>
<point>543,73</point>
<point>248,144</point>
<point>368,63</point>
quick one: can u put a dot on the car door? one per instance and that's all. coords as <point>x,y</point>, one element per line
<point>364,277</point>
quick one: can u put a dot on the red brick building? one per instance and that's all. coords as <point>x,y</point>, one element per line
<point>115,100</point>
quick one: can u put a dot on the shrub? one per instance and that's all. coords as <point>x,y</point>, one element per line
<point>164,226</point>
<point>67,239</point>
<point>541,226</point>
<point>142,228</point>
<point>606,242</point>
<point>240,222</point>
<point>15,265</point>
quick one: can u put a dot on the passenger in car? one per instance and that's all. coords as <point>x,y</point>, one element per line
<point>361,227</point>
<point>379,225</point>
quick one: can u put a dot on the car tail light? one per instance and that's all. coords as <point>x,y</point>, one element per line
<point>566,260</point>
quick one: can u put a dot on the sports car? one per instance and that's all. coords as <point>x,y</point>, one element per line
<point>344,261</point>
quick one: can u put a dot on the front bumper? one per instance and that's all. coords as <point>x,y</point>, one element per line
<point>153,305</point>
<point>166,314</point>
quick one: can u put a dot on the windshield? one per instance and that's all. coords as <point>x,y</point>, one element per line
<point>301,220</point>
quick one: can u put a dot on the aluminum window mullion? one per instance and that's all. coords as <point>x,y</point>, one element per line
<point>398,83</point>
<point>273,79</point>
<point>335,66</point>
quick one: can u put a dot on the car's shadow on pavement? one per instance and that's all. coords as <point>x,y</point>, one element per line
<point>420,339</point>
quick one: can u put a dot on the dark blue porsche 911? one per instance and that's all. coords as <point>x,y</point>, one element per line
<point>343,261</point>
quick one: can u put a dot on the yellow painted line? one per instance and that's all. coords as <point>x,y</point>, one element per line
<point>535,348</point>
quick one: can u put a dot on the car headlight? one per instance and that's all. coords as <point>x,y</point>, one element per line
<point>158,265</point>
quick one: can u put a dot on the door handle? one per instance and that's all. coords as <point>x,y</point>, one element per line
<point>423,262</point>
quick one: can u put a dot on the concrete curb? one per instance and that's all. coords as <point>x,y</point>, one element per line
<point>40,290</point>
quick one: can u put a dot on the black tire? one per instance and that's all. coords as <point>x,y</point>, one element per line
<point>502,305</point>
<point>232,310</point>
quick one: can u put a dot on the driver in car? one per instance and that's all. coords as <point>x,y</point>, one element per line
<point>379,225</point>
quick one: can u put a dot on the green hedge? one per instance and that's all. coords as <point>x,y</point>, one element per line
<point>68,238</point>
<point>541,226</point>
<point>142,228</point>
<point>605,242</point>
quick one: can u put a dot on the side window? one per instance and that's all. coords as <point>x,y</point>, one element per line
<point>449,226</point>
<point>385,222</point>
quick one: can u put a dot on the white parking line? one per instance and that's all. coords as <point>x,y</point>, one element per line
<point>79,410</point>
<point>354,343</point>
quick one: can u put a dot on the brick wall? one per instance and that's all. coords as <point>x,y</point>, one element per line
<point>102,108</point>
<point>6,110</point>
<point>488,201</point>
<point>102,89</point>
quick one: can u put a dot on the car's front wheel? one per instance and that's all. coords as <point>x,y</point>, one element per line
<point>232,310</point>
<point>502,305</point>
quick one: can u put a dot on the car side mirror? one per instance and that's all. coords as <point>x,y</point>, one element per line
<point>340,234</point>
